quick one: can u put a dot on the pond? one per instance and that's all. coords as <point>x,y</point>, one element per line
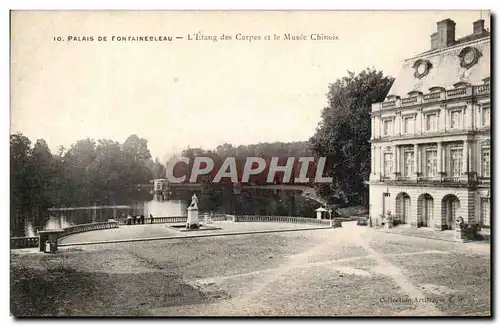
<point>64,217</point>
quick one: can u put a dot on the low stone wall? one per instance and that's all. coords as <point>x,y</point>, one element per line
<point>157,220</point>
<point>89,227</point>
<point>24,242</point>
<point>167,219</point>
<point>33,242</point>
<point>279,219</point>
<point>219,217</point>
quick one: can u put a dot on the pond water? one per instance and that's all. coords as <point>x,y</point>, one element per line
<point>117,207</point>
<point>64,217</point>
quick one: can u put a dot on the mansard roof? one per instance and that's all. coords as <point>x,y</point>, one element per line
<point>445,67</point>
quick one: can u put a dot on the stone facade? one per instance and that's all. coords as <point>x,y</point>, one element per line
<point>431,136</point>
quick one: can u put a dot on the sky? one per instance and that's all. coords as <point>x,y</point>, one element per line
<point>198,93</point>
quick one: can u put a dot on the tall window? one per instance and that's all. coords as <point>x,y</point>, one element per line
<point>485,161</point>
<point>456,161</point>
<point>387,164</point>
<point>485,212</point>
<point>485,116</point>
<point>456,119</point>
<point>408,125</point>
<point>387,127</point>
<point>428,211</point>
<point>431,158</point>
<point>431,122</point>
<point>409,162</point>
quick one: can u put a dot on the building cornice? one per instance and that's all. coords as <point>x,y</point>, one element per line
<point>432,137</point>
<point>476,92</point>
<point>451,48</point>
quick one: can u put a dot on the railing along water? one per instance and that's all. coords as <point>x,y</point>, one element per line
<point>89,227</point>
<point>24,242</point>
<point>33,242</point>
<point>281,219</point>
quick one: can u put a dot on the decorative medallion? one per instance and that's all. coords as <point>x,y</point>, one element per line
<point>422,68</point>
<point>469,56</point>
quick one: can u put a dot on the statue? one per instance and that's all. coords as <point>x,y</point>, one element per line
<point>194,202</point>
<point>192,218</point>
<point>460,228</point>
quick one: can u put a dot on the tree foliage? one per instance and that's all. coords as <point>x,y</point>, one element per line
<point>88,172</point>
<point>343,133</point>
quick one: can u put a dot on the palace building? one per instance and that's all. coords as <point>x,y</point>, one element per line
<point>430,143</point>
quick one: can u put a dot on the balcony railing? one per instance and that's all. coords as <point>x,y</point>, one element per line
<point>469,179</point>
<point>409,100</point>
<point>435,96</point>
<point>484,180</point>
<point>455,179</point>
<point>403,178</point>
<point>482,89</point>
<point>389,104</point>
<point>432,97</point>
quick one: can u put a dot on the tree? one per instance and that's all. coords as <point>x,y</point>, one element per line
<point>136,154</point>
<point>20,199</point>
<point>43,183</point>
<point>344,130</point>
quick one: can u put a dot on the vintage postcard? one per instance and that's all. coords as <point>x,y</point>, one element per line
<point>250,163</point>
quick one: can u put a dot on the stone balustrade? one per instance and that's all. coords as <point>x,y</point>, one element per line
<point>468,179</point>
<point>280,219</point>
<point>221,217</point>
<point>158,220</point>
<point>444,95</point>
<point>24,242</point>
<point>166,219</point>
<point>33,242</point>
<point>89,227</point>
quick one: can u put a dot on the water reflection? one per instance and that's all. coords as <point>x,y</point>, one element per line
<point>63,217</point>
<point>165,208</point>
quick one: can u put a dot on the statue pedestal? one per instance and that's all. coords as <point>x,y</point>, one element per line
<point>192,220</point>
<point>48,240</point>
<point>460,235</point>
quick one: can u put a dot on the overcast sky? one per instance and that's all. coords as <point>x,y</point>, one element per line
<point>198,93</point>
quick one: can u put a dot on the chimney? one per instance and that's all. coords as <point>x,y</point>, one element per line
<point>478,26</point>
<point>445,35</point>
<point>434,41</point>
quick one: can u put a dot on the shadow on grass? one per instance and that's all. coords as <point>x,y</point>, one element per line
<point>66,292</point>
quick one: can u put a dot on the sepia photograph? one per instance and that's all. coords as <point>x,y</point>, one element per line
<point>230,163</point>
